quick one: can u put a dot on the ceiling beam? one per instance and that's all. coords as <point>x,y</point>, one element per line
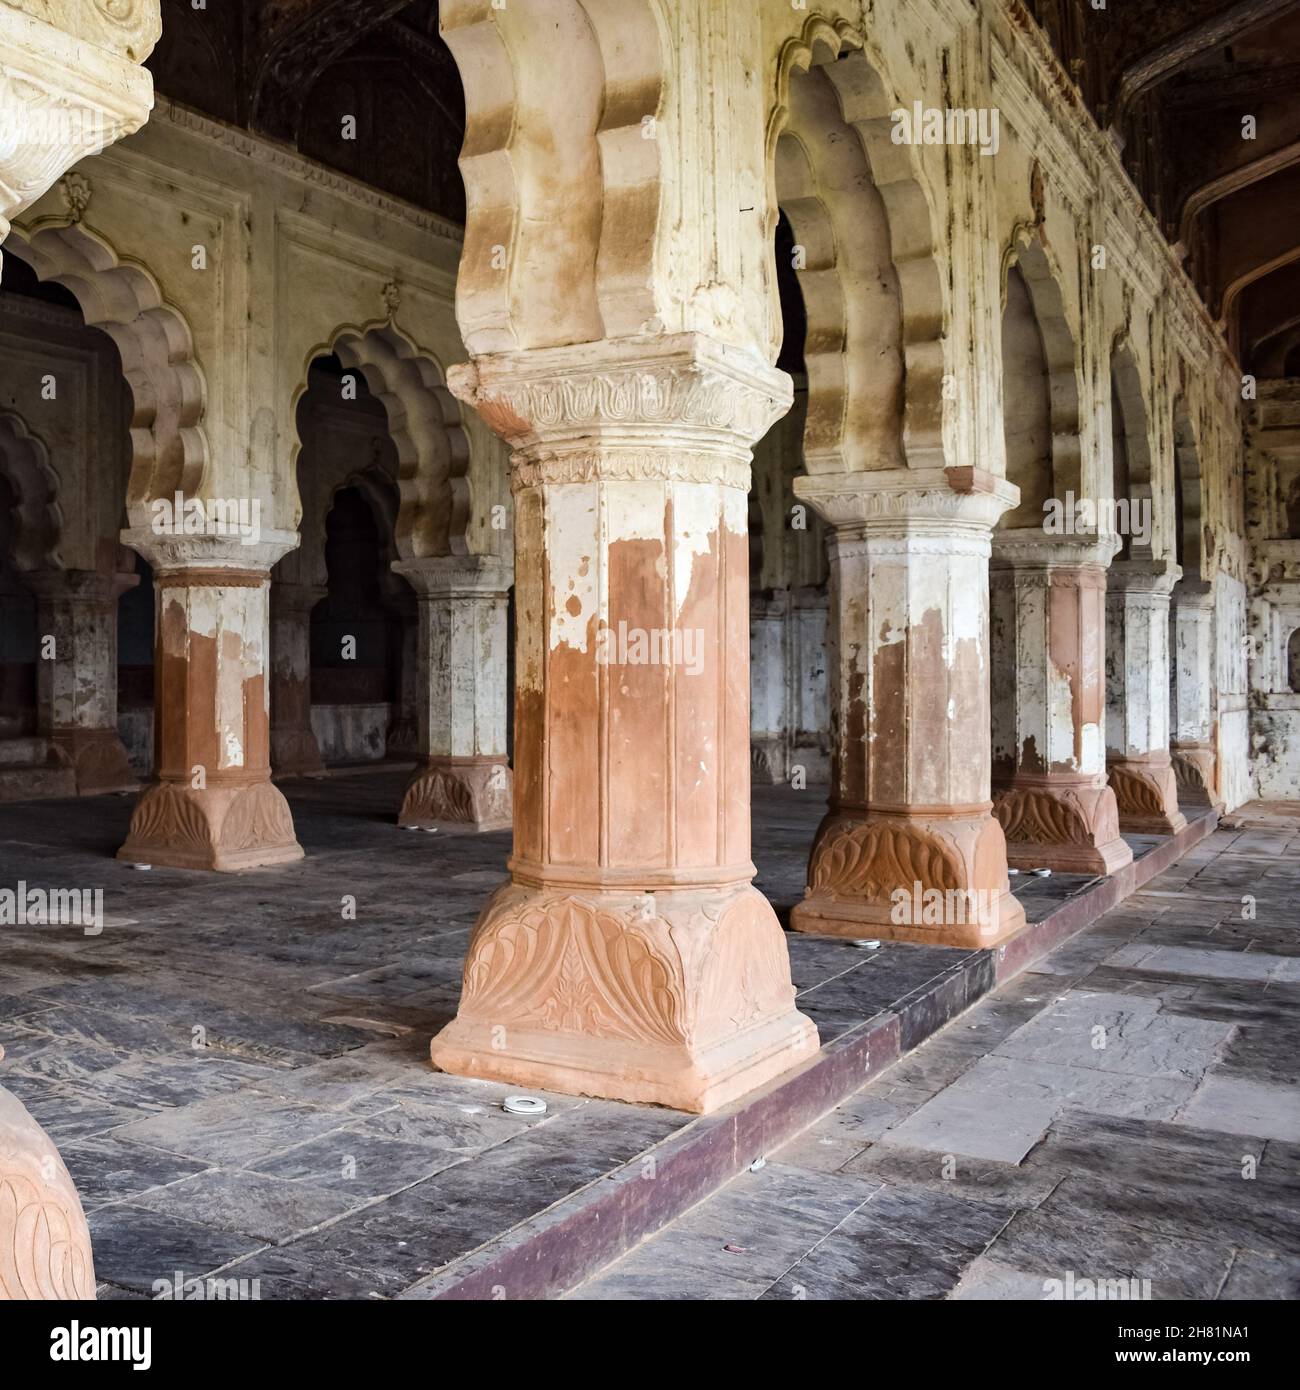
<point>1234,181</point>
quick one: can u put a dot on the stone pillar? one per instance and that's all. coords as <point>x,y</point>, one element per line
<point>769,686</point>
<point>294,750</point>
<point>1137,696</point>
<point>404,727</point>
<point>1049,746</point>
<point>630,955</point>
<point>909,848</point>
<point>1191,635</point>
<point>809,686</point>
<point>77,681</point>
<point>213,805</point>
<point>462,775</point>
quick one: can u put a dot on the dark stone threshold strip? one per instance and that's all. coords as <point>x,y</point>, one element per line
<point>551,1253</point>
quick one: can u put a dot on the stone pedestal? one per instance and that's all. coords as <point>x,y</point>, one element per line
<point>462,775</point>
<point>1048,616</point>
<point>213,805</point>
<point>630,955</point>
<point>44,1241</point>
<point>294,749</point>
<point>909,848</point>
<point>1191,635</point>
<point>1137,696</point>
<point>77,673</point>
<point>769,687</point>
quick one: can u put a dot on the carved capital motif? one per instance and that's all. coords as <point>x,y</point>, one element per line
<point>675,406</point>
<point>908,501</point>
<point>44,1241</point>
<point>128,28</point>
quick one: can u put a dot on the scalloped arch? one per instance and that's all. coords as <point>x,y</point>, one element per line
<point>424,423</point>
<point>860,414</point>
<point>169,447</point>
<point>25,464</point>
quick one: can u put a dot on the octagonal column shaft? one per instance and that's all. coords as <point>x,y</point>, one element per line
<point>1137,696</point>
<point>1192,748</point>
<point>1050,792</point>
<point>77,673</point>
<point>213,805</point>
<point>630,955</point>
<point>463,775</point>
<point>769,686</point>
<point>909,848</point>
<point>295,751</point>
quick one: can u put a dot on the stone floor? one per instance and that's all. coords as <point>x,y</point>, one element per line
<point>1127,1109</point>
<point>237,1072</point>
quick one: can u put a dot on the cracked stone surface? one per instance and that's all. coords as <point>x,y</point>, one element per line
<point>1123,1111</point>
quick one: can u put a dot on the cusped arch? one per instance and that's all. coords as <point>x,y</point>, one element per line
<point>38,518</point>
<point>559,175</point>
<point>871,279</point>
<point>1040,276</point>
<point>425,426</point>
<point>169,447</point>
<point>379,492</point>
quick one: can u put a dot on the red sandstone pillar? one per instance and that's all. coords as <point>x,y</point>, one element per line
<point>213,805</point>
<point>294,750</point>
<point>1137,696</point>
<point>1049,756</point>
<point>909,848</point>
<point>77,681</point>
<point>630,955</point>
<point>463,776</point>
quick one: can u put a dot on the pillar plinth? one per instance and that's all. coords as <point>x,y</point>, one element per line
<point>294,749</point>
<point>77,680</point>
<point>1191,748</point>
<point>909,848</point>
<point>213,805</point>
<point>630,955</point>
<point>462,775</point>
<point>769,687</point>
<point>1050,791</point>
<point>1137,696</point>
<point>44,1240</point>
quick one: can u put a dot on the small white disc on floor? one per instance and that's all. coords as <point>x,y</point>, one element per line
<point>523,1105</point>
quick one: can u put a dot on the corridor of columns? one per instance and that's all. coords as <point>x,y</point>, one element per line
<point>542,621</point>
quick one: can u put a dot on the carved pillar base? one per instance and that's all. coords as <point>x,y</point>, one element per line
<point>213,805</point>
<point>1196,774</point>
<point>934,875</point>
<point>459,791</point>
<point>44,1240</point>
<point>769,759</point>
<point>225,827</point>
<point>1146,792</point>
<point>99,759</point>
<point>668,998</point>
<point>1062,822</point>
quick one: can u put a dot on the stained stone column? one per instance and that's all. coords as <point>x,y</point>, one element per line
<point>630,955</point>
<point>404,727</point>
<point>1191,632</point>
<point>77,681</point>
<point>213,805</point>
<point>462,775</point>
<point>769,686</point>
<point>1049,751</point>
<point>909,848</point>
<point>1137,696</point>
<point>294,749</point>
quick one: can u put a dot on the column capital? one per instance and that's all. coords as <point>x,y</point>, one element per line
<point>678,408</point>
<point>1032,548</point>
<point>908,501</point>
<point>84,586</point>
<point>168,552</point>
<point>1156,577</point>
<point>456,576</point>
